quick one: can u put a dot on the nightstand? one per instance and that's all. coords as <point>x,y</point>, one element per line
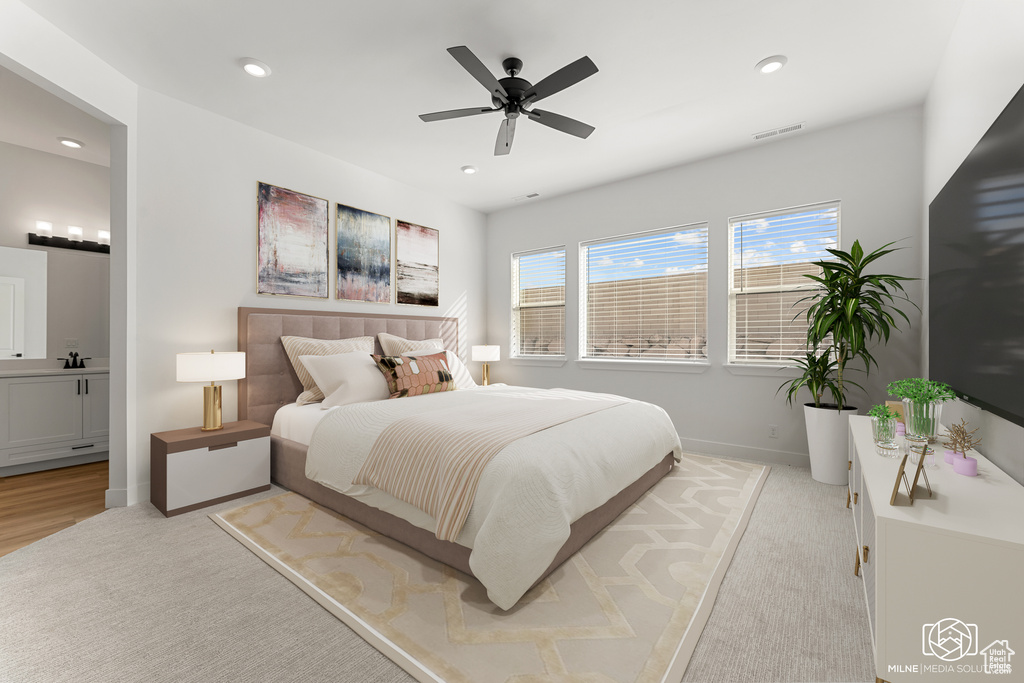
<point>190,468</point>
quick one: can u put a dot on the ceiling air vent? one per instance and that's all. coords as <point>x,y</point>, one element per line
<point>776,132</point>
<point>524,197</point>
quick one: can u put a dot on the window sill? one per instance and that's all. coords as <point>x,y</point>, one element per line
<point>541,361</point>
<point>762,370</point>
<point>692,367</point>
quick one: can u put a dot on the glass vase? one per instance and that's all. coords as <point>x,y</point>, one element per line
<point>884,431</point>
<point>922,419</point>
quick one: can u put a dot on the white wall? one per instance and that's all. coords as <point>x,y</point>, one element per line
<point>982,69</point>
<point>197,243</point>
<point>874,166</point>
<point>35,186</point>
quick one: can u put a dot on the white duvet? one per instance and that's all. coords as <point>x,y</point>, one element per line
<point>529,493</point>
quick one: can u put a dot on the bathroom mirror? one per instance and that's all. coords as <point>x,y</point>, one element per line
<point>22,303</point>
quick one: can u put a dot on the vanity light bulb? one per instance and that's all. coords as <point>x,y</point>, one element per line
<point>104,237</point>
<point>44,228</point>
<point>75,233</point>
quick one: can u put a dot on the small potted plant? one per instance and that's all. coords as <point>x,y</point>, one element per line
<point>883,428</point>
<point>960,441</point>
<point>922,405</point>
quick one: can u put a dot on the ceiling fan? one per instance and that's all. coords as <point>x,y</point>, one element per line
<point>515,96</point>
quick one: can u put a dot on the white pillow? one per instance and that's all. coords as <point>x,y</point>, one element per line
<point>396,346</point>
<point>460,373</point>
<point>296,347</point>
<point>347,378</point>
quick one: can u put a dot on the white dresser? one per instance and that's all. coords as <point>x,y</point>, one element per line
<point>944,577</point>
<point>53,418</point>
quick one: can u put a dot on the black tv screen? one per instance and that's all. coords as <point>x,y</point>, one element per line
<point>976,272</point>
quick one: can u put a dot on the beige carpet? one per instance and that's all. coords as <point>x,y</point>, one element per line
<point>629,606</point>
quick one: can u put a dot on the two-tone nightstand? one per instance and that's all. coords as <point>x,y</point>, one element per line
<point>190,468</point>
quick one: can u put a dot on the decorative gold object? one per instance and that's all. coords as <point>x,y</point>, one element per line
<point>901,476</point>
<point>211,367</point>
<point>960,440</point>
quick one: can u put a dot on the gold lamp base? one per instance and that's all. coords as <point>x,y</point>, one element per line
<point>487,374</point>
<point>211,408</point>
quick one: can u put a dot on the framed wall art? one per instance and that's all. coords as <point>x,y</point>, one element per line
<point>416,265</point>
<point>293,243</point>
<point>363,256</point>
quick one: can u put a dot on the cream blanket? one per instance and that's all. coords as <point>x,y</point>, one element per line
<point>434,460</point>
<point>528,494</point>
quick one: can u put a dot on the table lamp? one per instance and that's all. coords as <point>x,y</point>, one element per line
<point>211,367</point>
<point>487,354</point>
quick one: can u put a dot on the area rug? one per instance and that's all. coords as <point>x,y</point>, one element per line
<point>628,607</point>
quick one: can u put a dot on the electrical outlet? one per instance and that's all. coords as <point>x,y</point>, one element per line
<point>773,431</point>
<point>70,343</point>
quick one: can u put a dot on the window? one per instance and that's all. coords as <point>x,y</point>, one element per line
<point>644,296</point>
<point>769,255</point>
<point>538,303</point>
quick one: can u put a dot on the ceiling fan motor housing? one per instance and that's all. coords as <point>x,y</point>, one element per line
<point>515,87</point>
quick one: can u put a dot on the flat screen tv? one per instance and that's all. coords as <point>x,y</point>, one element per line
<point>976,272</point>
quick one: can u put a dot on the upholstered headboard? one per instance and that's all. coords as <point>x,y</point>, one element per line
<point>270,381</point>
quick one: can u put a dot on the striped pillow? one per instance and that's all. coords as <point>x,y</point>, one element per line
<point>416,375</point>
<point>396,346</point>
<point>305,346</point>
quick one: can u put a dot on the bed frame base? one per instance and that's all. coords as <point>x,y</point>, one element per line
<point>288,469</point>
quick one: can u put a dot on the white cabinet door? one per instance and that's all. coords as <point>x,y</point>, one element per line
<point>40,410</point>
<point>96,406</point>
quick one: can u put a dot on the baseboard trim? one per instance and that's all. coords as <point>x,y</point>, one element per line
<point>748,453</point>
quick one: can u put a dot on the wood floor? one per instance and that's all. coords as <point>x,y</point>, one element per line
<point>33,506</point>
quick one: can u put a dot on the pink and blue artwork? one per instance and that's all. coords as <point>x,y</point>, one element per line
<point>364,255</point>
<point>293,243</point>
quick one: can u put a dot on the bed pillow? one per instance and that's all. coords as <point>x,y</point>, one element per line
<point>460,373</point>
<point>396,346</point>
<point>296,347</point>
<point>416,375</point>
<point>346,378</point>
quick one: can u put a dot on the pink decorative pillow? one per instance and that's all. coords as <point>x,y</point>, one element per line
<point>416,375</point>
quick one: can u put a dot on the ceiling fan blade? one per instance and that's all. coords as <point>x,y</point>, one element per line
<point>471,63</point>
<point>507,131</point>
<point>570,74</point>
<point>562,123</point>
<point>455,113</point>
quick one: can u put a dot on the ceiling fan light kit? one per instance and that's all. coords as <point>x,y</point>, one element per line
<point>514,96</point>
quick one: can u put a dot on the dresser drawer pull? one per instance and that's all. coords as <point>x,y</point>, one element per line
<point>847,497</point>
<point>88,445</point>
<point>223,446</point>
<point>854,497</point>
<point>849,464</point>
<point>865,554</point>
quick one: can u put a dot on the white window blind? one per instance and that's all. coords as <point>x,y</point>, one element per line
<point>538,303</point>
<point>769,255</point>
<point>644,296</point>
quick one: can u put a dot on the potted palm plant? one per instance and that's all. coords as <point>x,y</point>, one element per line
<point>849,309</point>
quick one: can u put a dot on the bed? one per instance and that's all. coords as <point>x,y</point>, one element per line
<point>271,385</point>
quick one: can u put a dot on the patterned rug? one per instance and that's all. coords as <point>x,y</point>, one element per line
<point>628,607</point>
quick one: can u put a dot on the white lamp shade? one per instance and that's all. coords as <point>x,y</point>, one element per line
<point>211,367</point>
<point>487,354</point>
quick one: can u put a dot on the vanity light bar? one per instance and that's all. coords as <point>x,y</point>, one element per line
<point>65,243</point>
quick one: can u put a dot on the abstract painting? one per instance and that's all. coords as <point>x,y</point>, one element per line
<point>364,255</point>
<point>293,243</point>
<point>416,260</point>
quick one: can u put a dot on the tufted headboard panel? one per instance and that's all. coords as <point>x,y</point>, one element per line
<point>270,381</point>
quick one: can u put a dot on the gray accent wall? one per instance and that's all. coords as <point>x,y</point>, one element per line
<point>872,165</point>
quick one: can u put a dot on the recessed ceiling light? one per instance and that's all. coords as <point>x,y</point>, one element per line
<point>469,170</point>
<point>73,144</point>
<point>771,64</point>
<point>255,67</point>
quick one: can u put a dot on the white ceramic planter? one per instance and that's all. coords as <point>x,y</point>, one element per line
<point>828,442</point>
